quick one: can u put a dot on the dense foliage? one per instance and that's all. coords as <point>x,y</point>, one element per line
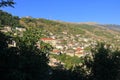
<point>68,60</point>
<point>7,19</point>
<point>23,62</point>
<point>6,3</point>
<point>103,64</point>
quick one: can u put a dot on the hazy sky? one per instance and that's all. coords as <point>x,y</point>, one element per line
<point>101,11</point>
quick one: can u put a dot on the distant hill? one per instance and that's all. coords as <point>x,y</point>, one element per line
<point>89,23</point>
<point>112,26</point>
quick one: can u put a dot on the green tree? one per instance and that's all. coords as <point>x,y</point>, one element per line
<point>6,19</point>
<point>25,61</point>
<point>103,64</point>
<point>6,3</point>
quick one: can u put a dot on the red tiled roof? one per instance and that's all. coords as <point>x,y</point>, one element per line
<point>55,50</point>
<point>78,49</point>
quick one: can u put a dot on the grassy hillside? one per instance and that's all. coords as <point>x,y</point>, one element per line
<point>97,32</point>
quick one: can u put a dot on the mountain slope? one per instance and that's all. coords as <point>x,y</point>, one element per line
<point>112,26</point>
<point>95,31</point>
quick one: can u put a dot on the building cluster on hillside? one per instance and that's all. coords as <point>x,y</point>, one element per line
<point>68,44</point>
<point>16,31</point>
<point>62,43</point>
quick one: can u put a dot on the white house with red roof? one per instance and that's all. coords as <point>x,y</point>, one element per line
<point>49,40</point>
<point>56,51</point>
<point>79,51</point>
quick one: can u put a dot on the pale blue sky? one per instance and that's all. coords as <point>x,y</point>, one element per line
<point>101,11</point>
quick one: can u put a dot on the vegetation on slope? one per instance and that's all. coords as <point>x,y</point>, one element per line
<point>68,60</point>
<point>96,32</point>
<point>7,19</point>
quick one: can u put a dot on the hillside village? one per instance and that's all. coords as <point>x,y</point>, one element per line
<point>71,39</point>
<point>65,42</point>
